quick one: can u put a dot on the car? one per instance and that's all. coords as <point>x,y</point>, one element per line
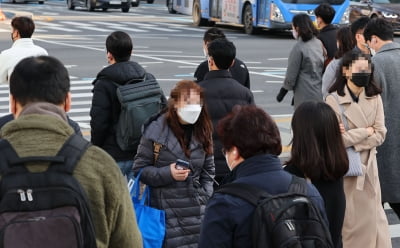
<point>91,5</point>
<point>387,9</point>
<point>24,1</point>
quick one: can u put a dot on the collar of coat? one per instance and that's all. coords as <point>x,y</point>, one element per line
<point>218,74</point>
<point>389,46</point>
<point>254,165</point>
<point>157,130</point>
<point>357,112</point>
<point>22,42</point>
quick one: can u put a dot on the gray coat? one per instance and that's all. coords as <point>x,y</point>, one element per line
<point>387,75</point>
<point>304,71</point>
<point>184,202</point>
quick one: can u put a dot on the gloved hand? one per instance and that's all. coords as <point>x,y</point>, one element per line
<point>282,93</point>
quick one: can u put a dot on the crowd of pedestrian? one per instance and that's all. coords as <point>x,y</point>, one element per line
<point>345,93</point>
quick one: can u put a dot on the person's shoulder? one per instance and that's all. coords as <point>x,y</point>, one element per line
<point>97,164</point>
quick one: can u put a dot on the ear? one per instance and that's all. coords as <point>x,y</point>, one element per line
<point>67,104</point>
<point>15,107</point>
<point>235,153</point>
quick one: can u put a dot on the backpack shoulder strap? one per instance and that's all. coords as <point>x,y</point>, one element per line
<point>298,185</point>
<point>8,155</point>
<point>244,191</point>
<point>72,151</point>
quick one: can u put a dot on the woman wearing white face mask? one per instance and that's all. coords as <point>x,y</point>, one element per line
<point>305,63</point>
<point>183,130</point>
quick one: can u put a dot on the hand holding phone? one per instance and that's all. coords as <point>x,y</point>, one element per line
<point>181,164</point>
<point>180,170</point>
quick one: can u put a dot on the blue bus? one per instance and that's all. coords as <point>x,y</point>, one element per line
<point>254,14</point>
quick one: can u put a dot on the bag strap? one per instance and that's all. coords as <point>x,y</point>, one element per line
<point>72,150</point>
<point>8,155</point>
<point>344,119</point>
<point>156,151</point>
<point>298,185</point>
<point>247,192</point>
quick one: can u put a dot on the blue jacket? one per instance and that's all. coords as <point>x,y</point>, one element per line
<point>227,221</point>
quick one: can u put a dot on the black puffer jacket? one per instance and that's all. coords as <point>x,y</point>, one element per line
<point>222,92</point>
<point>184,202</point>
<point>106,107</point>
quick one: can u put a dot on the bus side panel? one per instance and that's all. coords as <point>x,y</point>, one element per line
<point>205,8</point>
<point>263,13</point>
<point>340,11</point>
<point>183,6</point>
<point>231,11</point>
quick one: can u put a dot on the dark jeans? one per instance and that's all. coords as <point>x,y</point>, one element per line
<point>126,168</point>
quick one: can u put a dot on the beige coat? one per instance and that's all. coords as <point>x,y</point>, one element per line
<point>365,224</point>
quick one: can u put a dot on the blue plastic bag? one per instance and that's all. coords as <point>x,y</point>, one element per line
<point>151,221</point>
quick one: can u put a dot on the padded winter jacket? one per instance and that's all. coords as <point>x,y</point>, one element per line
<point>183,201</point>
<point>106,107</point>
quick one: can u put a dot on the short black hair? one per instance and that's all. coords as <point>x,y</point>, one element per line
<point>213,34</point>
<point>306,28</point>
<point>326,12</point>
<point>379,27</point>
<point>359,24</point>
<point>119,44</point>
<point>24,25</point>
<point>223,53</point>
<point>39,79</point>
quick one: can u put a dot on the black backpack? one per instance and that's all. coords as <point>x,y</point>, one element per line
<point>139,99</point>
<point>44,209</point>
<point>283,220</point>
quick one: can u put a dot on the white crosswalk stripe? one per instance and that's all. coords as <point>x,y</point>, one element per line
<point>105,27</point>
<point>81,91</point>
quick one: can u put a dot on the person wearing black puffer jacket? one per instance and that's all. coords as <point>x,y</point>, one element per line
<point>222,93</point>
<point>106,107</point>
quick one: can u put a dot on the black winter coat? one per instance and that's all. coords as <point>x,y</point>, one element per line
<point>184,202</point>
<point>106,107</point>
<point>239,72</point>
<point>228,219</point>
<point>328,37</point>
<point>222,92</point>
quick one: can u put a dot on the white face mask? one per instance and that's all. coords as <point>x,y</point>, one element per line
<point>190,113</point>
<point>205,52</point>
<point>226,158</point>
<point>373,52</point>
<point>295,34</point>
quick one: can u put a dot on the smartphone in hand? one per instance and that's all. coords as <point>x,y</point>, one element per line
<point>181,164</point>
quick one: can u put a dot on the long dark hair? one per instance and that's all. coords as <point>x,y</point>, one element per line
<point>202,130</point>
<point>344,37</point>
<point>371,89</point>
<point>317,145</point>
<point>305,27</point>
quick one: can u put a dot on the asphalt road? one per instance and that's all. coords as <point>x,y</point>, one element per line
<point>167,45</point>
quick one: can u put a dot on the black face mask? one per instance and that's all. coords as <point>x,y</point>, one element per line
<point>361,79</point>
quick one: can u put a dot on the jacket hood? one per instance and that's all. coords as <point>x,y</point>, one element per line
<point>121,72</point>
